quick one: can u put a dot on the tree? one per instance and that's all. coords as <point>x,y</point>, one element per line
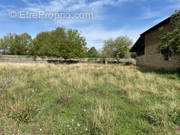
<point>60,43</point>
<point>5,43</point>
<point>42,45</point>
<point>170,45</point>
<point>16,44</point>
<point>117,48</point>
<point>107,50</point>
<point>77,44</point>
<point>92,52</point>
<point>22,44</point>
<point>69,42</point>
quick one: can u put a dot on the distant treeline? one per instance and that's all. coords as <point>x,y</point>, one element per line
<point>61,42</point>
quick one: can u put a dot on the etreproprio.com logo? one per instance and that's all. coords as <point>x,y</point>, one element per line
<point>50,15</point>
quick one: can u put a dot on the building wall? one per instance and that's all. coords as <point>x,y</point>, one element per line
<point>153,39</point>
<point>157,61</point>
<point>153,58</point>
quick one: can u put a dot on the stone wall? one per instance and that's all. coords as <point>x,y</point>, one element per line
<point>19,59</point>
<point>157,61</point>
<point>26,59</point>
<point>153,39</point>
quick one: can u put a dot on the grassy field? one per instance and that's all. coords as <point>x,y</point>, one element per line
<point>88,99</point>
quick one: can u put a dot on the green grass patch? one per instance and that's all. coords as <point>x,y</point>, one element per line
<point>88,99</point>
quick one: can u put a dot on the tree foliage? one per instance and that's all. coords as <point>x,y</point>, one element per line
<point>92,52</point>
<point>16,44</point>
<point>170,45</point>
<point>5,43</point>
<point>60,43</point>
<point>21,44</point>
<point>118,48</point>
<point>41,45</point>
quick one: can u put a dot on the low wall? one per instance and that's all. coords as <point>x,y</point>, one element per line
<point>26,59</point>
<point>157,61</point>
<point>19,59</point>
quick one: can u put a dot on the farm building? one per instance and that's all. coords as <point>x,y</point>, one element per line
<point>146,48</point>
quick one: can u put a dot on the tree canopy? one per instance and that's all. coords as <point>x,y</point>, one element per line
<point>92,52</point>
<point>16,44</point>
<point>59,43</point>
<point>21,44</point>
<point>117,48</point>
<point>5,43</point>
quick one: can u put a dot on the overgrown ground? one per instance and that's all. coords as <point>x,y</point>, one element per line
<point>87,99</point>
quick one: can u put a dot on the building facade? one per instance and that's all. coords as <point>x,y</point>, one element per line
<point>147,48</point>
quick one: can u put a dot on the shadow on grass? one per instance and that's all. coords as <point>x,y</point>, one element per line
<point>175,75</point>
<point>63,61</point>
<point>77,61</point>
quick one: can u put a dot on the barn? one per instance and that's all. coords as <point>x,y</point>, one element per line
<point>147,48</point>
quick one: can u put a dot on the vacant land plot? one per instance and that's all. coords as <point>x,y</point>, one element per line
<point>87,99</point>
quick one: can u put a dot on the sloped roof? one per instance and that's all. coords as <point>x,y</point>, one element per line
<point>167,20</point>
<point>138,43</point>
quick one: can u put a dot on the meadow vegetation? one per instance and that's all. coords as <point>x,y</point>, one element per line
<point>87,99</point>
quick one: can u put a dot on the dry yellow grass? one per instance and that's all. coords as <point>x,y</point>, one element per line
<point>45,98</point>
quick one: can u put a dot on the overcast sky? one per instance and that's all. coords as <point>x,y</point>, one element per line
<point>110,18</point>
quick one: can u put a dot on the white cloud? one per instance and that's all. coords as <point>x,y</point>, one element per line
<point>95,35</point>
<point>6,6</point>
<point>58,5</point>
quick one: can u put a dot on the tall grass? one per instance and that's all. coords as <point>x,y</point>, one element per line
<point>90,99</point>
